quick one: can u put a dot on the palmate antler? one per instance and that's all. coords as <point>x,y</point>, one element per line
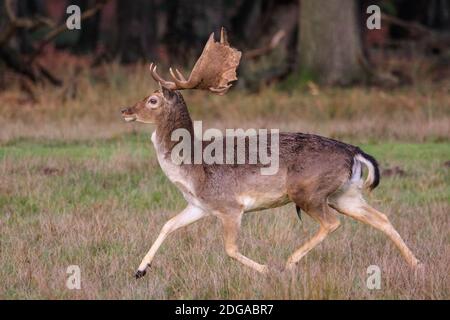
<point>213,71</point>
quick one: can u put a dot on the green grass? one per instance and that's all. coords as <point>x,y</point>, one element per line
<point>100,204</point>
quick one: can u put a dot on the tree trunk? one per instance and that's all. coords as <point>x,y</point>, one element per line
<point>136,21</point>
<point>330,44</point>
<point>88,38</point>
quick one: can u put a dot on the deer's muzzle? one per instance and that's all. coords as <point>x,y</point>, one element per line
<point>128,114</point>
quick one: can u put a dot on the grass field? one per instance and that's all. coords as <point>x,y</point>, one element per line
<point>80,187</point>
<point>100,205</point>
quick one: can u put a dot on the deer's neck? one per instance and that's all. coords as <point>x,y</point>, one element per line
<point>179,120</point>
<point>187,176</point>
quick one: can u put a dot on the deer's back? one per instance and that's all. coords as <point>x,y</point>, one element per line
<point>310,167</point>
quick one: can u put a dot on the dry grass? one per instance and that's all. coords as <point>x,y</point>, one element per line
<point>78,186</point>
<point>419,113</point>
<point>101,205</point>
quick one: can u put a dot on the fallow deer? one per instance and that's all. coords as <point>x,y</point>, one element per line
<point>321,176</point>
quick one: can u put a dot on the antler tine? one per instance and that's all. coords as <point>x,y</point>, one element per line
<point>180,75</point>
<point>154,74</point>
<point>223,36</point>
<point>157,77</point>
<point>180,83</point>
<point>220,91</point>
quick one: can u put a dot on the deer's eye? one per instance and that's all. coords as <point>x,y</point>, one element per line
<point>152,102</point>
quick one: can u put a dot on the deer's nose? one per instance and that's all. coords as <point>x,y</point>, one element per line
<point>126,110</point>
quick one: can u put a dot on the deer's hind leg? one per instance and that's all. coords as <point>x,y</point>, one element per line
<point>351,203</point>
<point>328,222</point>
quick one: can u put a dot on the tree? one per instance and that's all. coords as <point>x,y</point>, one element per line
<point>137,30</point>
<point>330,43</point>
<point>89,33</point>
<point>18,21</point>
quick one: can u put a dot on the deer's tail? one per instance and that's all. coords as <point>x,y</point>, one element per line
<point>373,177</point>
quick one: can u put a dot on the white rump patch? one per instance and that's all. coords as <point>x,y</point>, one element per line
<point>356,170</point>
<point>348,197</point>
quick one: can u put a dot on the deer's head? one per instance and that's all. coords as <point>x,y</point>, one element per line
<point>213,71</point>
<point>153,108</point>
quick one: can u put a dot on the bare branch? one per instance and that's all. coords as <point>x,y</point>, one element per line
<point>274,42</point>
<point>52,34</point>
<point>412,26</point>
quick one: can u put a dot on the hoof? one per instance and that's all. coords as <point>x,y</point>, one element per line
<point>140,274</point>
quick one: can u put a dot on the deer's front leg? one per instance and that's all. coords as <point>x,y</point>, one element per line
<point>184,218</point>
<point>231,227</point>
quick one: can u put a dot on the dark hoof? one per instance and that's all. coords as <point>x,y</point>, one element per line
<point>140,274</point>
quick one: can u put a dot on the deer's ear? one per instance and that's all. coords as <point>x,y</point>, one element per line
<point>167,93</point>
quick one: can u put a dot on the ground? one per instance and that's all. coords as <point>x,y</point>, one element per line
<point>80,187</point>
